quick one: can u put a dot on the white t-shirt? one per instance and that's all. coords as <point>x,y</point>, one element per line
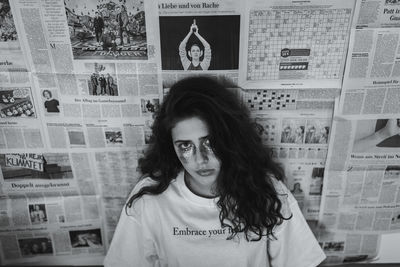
<point>179,228</point>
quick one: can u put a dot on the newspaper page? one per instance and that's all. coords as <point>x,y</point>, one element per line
<point>362,176</point>
<point>348,247</point>
<point>371,80</point>
<point>295,44</point>
<point>50,208</point>
<point>299,142</point>
<point>191,44</point>
<point>13,67</point>
<point>72,132</point>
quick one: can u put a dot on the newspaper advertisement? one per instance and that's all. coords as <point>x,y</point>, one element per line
<point>191,44</point>
<point>295,44</point>
<point>371,81</point>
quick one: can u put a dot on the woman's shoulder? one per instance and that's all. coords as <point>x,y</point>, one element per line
<point>135,206</point>
<point>284,195</point>
<point>143,182</point>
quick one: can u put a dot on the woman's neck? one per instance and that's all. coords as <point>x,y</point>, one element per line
<point>198,189</point>
<point>195,62</point>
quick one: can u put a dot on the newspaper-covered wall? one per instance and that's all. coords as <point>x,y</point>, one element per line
<point>80,82</point>
<point>361,184</point>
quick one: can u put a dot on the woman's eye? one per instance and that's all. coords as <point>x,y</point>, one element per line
<point>207,145</point>
<point>185,146</point>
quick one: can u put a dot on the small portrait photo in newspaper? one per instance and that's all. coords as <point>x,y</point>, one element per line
<point>382,135</point>
<point>200,42</point>
<point>37,213</point>
<point>50,102</point>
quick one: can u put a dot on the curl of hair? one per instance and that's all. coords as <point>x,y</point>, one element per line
<point>248,200</point>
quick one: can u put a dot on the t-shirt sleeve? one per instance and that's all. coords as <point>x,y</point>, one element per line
<point>295,244</point>
<point>132,244</point>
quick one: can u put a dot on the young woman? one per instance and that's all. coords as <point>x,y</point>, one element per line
<point>193,62</point>
<point>50,104</point>
<point>210,194</point>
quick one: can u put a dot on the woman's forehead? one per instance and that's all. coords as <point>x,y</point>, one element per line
<point>192,128</point>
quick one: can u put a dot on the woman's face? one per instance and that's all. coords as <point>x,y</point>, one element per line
<point>46,95</point>
<point>195,52</point>
<point>190,138</point>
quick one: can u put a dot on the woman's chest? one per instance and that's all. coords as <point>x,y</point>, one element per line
<point>193,236</point>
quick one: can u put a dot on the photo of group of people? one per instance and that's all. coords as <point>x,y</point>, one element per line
<point>102,80</point>
<point>16,102</point>
<point>86,238</point>
<point>37,213</point>
<point>297,131</point>
<point>107,29</point>
<point>35,246</point>
<point>22,166</point>
<point>8,31</point>
<point>195,43</point>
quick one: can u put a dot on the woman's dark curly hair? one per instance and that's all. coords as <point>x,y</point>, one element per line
<point>248,201</point>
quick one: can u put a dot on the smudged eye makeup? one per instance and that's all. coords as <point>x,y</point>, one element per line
<point>187,149</point>
<point>206,144</point>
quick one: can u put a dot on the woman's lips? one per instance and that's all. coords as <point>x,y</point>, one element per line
<point>205,172</point>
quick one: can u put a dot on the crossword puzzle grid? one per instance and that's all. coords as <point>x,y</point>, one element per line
<point>257,100</point>
<point>323,31</point>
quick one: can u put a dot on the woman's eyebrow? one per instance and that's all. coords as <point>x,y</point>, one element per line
<point>204,137</point>
<point>183,141</point>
